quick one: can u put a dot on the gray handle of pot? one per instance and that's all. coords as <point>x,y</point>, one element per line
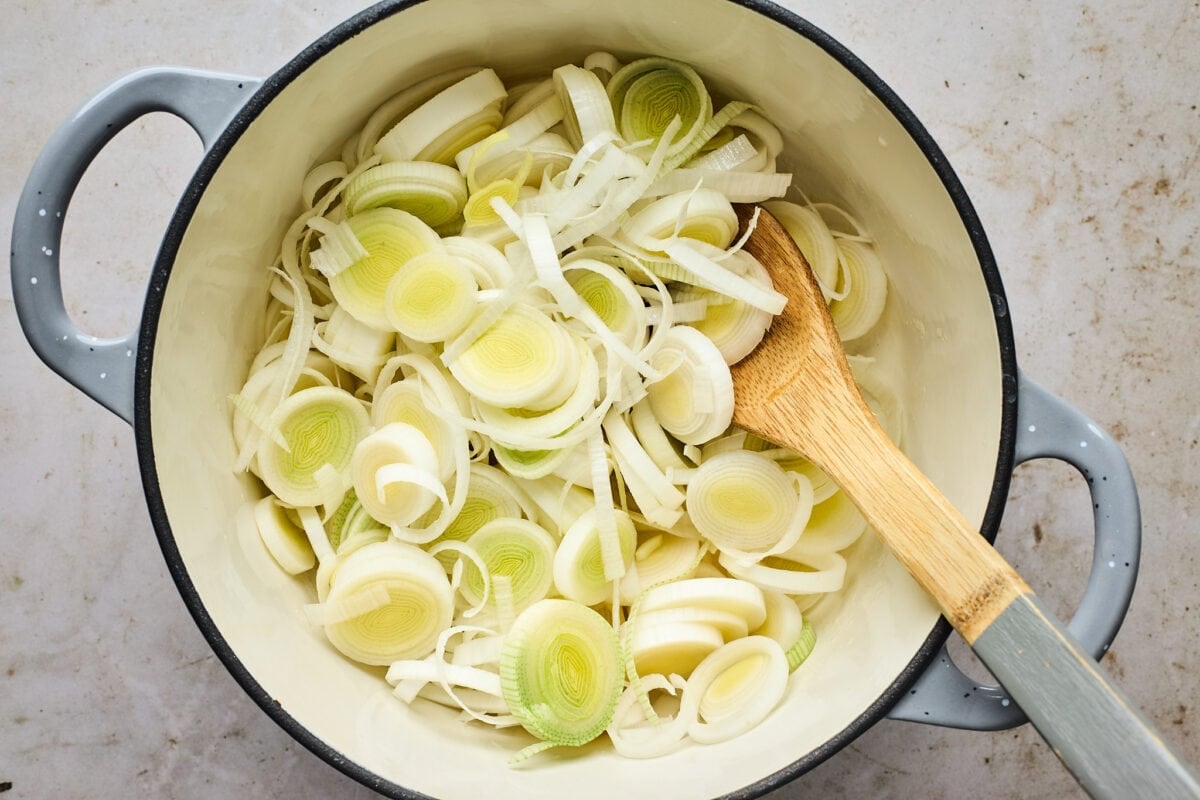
<point>1047,427</point>
<point>102,368</point>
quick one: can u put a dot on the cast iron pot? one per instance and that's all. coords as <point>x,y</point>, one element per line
<point>970,415</point>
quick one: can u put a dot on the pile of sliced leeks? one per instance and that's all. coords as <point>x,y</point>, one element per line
<point>493,403</point>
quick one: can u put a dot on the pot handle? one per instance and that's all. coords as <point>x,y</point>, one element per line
<point>1047,427</point>
<point>102,368</point>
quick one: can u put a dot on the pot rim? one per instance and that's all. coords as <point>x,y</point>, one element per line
<point>270,88</point>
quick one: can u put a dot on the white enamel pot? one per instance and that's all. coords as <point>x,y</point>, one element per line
<point>970,414</point>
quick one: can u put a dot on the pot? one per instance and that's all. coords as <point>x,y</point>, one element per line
<point>971,415</point>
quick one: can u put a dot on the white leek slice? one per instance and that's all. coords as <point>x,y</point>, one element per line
<point>656,496</point>
<point>865,285</point>
<point>744,503</point>
<point>420,603</point>
<point>604,64</point>
<point>432,192</point>
<point>578,565</point>
<point>817,574</point>
<point>524,360</point>
<point>736,187</point>
<point>387,470</point>
<point>488,265</point>
<point>512,137</point>
<point>650,740</point>
<point>518,549</point>
<point>357,348</point>
<point>397,107</point>
<point>431,298</point>
<point>694,401</point>
<point>692,213</point>
<point>724,594</point>
<point>452,120</point>
<point>649,93</point>
<point>672,648</point>
<point>729,624</point>
<point>667,558</point>
<point>784,621</point>
<point>321,425</point>
<point>711,275</point>
<point>559,503</point>
<point>812,237</point>
<point>286,542</point>
<point>651,436</point>
<point>588,112</point>
<point>529,464</point>
<point>738,686</point>
<point>835,524</point>
<point>522,423</point>
<point>390,238</point>
<point>404,401</point>
<point>561,672</point>
<point>735,327</point>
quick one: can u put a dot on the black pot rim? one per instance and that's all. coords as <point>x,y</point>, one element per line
<point>267,92</point>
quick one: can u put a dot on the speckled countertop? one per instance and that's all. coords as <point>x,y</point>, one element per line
<point>1075,129</point>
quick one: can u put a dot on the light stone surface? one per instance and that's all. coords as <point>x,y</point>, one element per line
<point>1075,129</point>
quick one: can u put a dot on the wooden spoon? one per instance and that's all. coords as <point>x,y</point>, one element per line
<point>796,390</point>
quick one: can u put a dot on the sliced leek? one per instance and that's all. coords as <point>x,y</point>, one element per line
<point>494,369</point>
<point>561,673</point>
<point>320,426</point>
<point>418,607</point>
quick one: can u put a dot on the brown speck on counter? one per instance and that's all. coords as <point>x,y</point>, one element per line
<point>1037,533</point>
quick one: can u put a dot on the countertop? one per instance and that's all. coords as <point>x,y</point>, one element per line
<point>1074,127</point>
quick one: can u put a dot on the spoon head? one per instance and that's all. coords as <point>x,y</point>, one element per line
<point>796,386</point>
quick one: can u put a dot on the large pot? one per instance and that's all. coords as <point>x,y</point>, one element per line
<point>971,415</point>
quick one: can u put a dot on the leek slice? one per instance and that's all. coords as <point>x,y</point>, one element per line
<point>736,327</point>
<point>432,192</point>
<point>404,401</point>
<point>523,360</point>
<point>738,686</point>
<point>730,625</point>
<point>784,622</point>
<point>579,564</point>
<point>802,648</point>
<point>817,574</point>
<point>587,110</point>
<point>518,549</point>
<point>835,524</point>
<point>744,503</point>
<point>491,494</point>
<point>865,286</point>
<point>389,238</point>
<point>419,605</point>
<point>357,348</point>
<point>701,214</point>
<point>452,120</point>
<point>649,93</point>
<point>694,401</point>
<point>395,473</point>
<point>812,236</point>
<point>286,542</point>
<point>672,648</point>
<point>321,425</point>
<point>431,298</point>
<point>722,594</point>
<point>670,558</point>
<point>561,673</point>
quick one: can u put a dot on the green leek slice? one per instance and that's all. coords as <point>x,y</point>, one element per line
<point>649,93</point>
<point>802,648</point>
<point>321,425</point>
<point>561,672</point>
<point>518,549</point>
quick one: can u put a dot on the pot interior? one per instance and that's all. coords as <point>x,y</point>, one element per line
<point>938,347</point>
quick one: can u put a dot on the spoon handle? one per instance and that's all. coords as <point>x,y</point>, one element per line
<point>1094,729</point>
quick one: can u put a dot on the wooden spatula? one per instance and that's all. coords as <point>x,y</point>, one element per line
<point>796,390</point>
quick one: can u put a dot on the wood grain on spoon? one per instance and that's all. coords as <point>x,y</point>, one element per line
<point>796,390</point>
